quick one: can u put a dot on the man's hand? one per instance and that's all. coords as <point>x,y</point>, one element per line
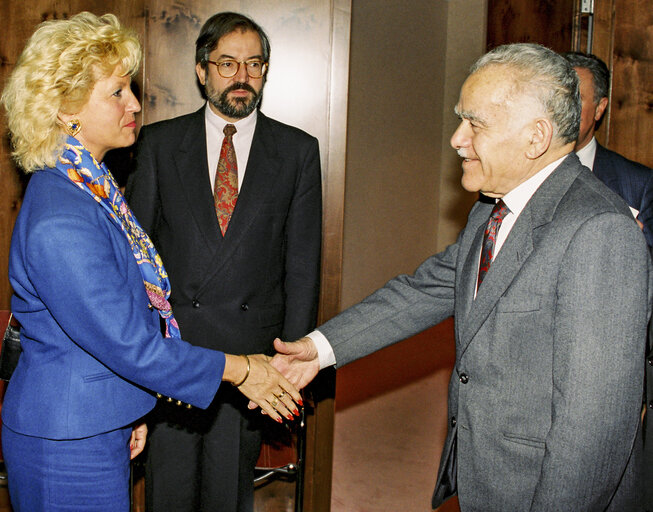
<point>296,361</point>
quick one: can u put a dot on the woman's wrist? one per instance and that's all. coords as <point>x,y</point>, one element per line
<point>237,369</point>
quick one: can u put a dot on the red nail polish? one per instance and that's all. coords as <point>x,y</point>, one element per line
<point>290,417</point>
<point>279,420</point>
<point>295,412</point>
<point>300,402</point>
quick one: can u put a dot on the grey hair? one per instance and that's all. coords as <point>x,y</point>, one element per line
<point>548,76</point>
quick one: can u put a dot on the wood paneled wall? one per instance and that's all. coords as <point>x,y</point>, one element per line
<point>548,22</point>
<point>624,40</point>
<point>19,19</point>
<point>622,37</point>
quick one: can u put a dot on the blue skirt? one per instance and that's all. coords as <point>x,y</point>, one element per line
<point>85,475</point>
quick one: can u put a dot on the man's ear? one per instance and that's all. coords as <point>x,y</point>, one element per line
<point>600,109</point>
<point>540,139</point>
<point>201,73</point>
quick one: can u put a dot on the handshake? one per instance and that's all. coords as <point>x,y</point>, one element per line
<point>273,383</point>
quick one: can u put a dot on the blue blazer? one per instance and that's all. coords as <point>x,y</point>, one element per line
<point>631,180</point>
<point>93,350</point>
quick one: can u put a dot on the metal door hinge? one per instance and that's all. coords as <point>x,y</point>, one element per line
<point>587,6</point>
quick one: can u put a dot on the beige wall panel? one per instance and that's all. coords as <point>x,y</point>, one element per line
<point>404,202</point>
<point>394,141</point>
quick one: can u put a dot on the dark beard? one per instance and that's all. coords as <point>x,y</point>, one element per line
<point>238,108</point>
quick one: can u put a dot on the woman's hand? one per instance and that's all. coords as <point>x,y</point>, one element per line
<point>263,385</point>
<point>137,441</point>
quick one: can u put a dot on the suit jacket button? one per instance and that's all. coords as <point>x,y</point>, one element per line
<point>159,395</point>
<point>196,303</point>
<point>464,378</point>
<point>244,307</point>
<point>650,361</point>
<point>453,421</point>
<point>650,405</point>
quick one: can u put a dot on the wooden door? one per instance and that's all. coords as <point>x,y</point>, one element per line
<point>621,36</point>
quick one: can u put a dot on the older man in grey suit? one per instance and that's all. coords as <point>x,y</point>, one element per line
<point>549,285</point>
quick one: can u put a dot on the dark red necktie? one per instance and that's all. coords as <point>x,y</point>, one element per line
<point>225,190</point>
<point>499,211</point>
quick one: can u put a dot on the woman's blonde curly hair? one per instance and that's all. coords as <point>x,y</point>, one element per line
<point>56,73</point>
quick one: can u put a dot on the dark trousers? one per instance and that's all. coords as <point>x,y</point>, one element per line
<point>203,460</point>
<point>648,459</point>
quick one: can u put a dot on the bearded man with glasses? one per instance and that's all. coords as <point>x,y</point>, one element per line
<point>232,201</point>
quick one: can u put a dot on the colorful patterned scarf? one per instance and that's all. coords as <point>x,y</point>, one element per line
<point>77,164</point>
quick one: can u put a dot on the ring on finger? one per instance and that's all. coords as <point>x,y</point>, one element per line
<point>274,403</point>
<point>283,393</point>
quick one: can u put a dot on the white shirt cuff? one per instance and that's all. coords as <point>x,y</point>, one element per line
<point>324,351</point>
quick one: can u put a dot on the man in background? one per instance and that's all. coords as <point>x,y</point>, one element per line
<point>232,201</point>
<point>631,180</point>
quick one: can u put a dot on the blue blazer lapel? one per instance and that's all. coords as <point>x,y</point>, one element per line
<point>192,167</point>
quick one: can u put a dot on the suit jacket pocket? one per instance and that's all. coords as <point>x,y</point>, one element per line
<point>94,377</point>
<point>518,304</point>
<point>535,442</point>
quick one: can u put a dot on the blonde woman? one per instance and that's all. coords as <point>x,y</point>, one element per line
<point>90,290</point>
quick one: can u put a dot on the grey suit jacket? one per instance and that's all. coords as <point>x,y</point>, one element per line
<point>545,396</point>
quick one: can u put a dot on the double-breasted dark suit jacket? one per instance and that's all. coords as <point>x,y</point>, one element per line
<point>262,279</point>
<point>545,395</point>
<point>237,292</point>
<point>631,180</point>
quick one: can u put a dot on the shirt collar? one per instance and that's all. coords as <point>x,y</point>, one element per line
<point>518,197</point>
<point>586,154</point>
<point>243,126</point>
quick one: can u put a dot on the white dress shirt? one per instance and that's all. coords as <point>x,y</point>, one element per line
<point>242,140</point>
<point>587,154</point>
<point>515,200</point>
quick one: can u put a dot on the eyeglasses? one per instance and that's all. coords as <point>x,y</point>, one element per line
<point>230,67</point>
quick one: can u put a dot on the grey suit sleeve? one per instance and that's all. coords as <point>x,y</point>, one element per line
<point>405,306</point>
<point>599,341</point>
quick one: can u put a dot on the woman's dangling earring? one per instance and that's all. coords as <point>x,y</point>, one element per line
<point>73,126</point>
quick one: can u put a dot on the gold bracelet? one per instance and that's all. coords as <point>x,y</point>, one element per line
<point>246,374</point>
